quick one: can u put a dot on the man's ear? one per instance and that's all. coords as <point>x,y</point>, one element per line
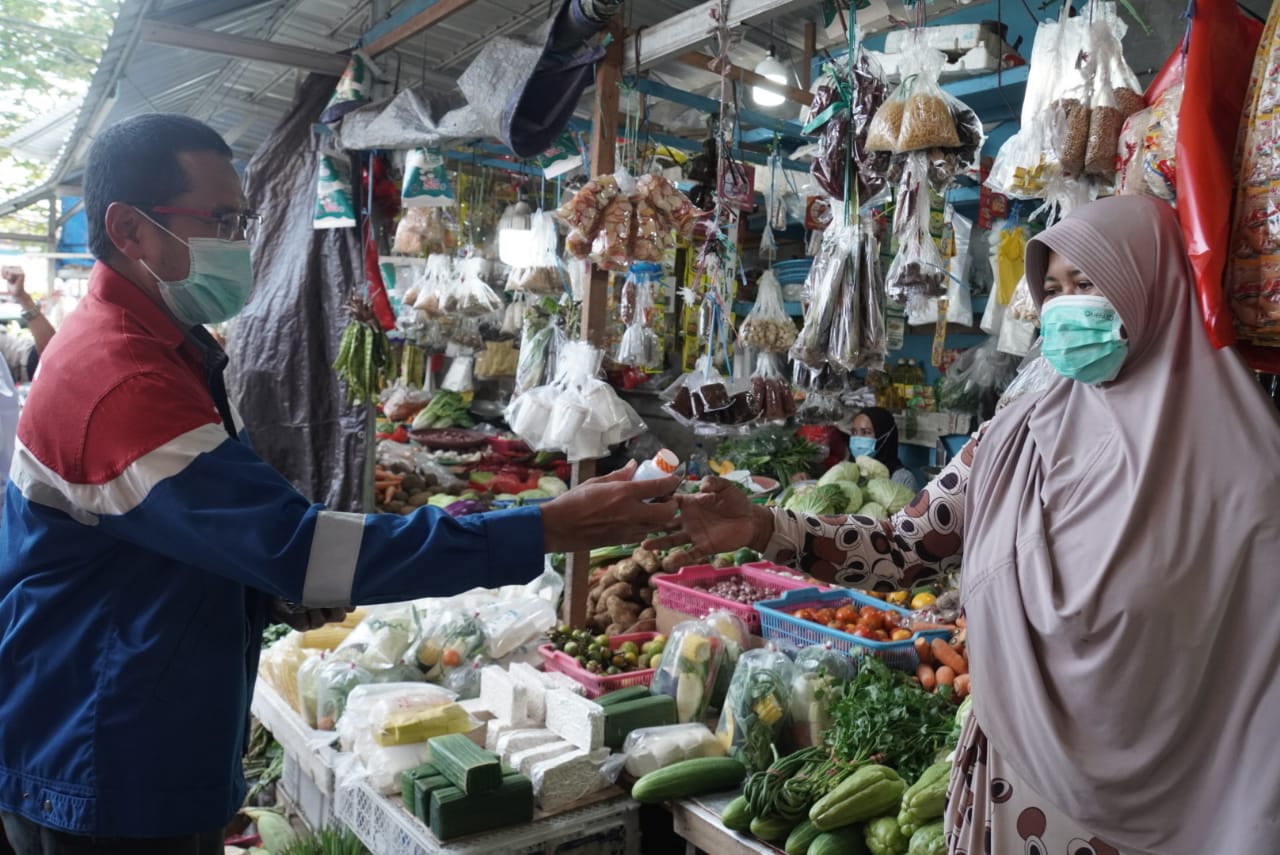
<point>124,227</point>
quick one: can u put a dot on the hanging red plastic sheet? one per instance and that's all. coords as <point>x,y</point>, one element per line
<point>377,288</point>
<point>1219,61</point>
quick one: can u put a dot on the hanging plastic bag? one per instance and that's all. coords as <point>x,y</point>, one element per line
<point>426,182</point>
<point>536,344</point>
<point>755,717</point>
<point>1021,306</point>
<point>1130,180</point>
<point>542,275</point>
<point>823,285</point>
<point>770,390</point>
<point>927,120</point>
<point>917,269</point>
<point>1010,262</point>
<point>335,207</point>
<point>976,379</point>
<point>767,326</point>
<point>845,346</point>
<point>468,295</point>
<point>1020,166</point>
<point>432,283</point>
<point>639,345</point>
<point>886,123</point>
<point>959,300</point>
<point>687,671</point>
<point>819,676</point>
<point>874,332</point>
<point>411,230</point>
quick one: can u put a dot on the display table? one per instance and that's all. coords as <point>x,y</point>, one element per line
<point>307,781</point>
<point>381,822</point>
<point>698,822</point>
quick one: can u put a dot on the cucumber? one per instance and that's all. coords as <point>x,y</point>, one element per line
<point>630,693</point>
<point>737,815</point>
<point>843,841</point>
<point>689,778</point>
<point>771,828</point>
<point>800,837</point>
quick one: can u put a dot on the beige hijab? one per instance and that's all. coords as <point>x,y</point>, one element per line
<point>1122,567</point>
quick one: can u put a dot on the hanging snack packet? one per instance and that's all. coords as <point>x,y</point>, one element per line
<point>767,327</point>
<point>926,117</point>
<point>542,276</point>
<point>426,182</point>
<point>610,248</point>
<point>411,234</point>
<point>874,332</point>
<point>467,294</point>
<point>335,205</point>
<point>886,125</point>
<point>639,345</point>
<point>824,289</point>
<point>354,88</point>
<point>917,269</point>
<point>846,327</point>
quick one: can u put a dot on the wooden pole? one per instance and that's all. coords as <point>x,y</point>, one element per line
<point>604,137</point>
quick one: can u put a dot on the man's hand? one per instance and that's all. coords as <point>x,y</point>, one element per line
<point>17,279</point>
<point>608,510</point>
<point>718,519</point>
<point>306,619</point>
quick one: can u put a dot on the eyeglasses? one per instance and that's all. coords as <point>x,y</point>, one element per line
<point>232,225</point>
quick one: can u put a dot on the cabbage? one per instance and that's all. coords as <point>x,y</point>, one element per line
<point>846,471</point>
<point>852,494</point>
<point>552,486</point>
<point>871,468</point>
<point>891,494</point>
<point>875,510</point>
<point>823,500</point>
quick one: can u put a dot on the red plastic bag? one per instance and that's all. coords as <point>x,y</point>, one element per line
<point>1219,61</point>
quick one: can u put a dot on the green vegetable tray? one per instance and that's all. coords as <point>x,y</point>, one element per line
<point>778,622</point>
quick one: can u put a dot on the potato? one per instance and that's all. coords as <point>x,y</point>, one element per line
<point>648,614</point>
<point>630,571</point>
<point>645,594</point>
<point>644,625</point>
<point>419,499</point>
<point>647,559</point>
<point>621,590</point>
<point>614,629</point>
<point>622,611</point>
<point>413,483</point>
<point>395,507</point>
<point>401,496</point>
<point>676,559</point>
<point>604,578</point>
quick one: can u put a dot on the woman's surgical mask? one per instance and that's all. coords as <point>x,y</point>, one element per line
<point>862,446</point>
<point>1082,337</point>
<point>217,284</point>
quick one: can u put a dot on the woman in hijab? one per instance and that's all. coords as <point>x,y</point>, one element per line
<point>1120,537</point>
<point>875,434</point>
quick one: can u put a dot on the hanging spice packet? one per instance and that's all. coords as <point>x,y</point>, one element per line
<point>426,182</point>
<point>335,205</point>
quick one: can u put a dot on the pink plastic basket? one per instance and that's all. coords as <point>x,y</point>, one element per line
<point>682,592</point>
<point>598,684</point>
<point>780,622</point>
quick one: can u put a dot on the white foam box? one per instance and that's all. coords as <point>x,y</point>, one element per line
<point>949,38</point>
<point>575,719</point>
<point>503,696</point>
<point>514,741</point>
<point>523,761</point>
<point>535,687</point>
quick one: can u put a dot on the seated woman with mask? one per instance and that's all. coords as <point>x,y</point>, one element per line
<point>875,434</point>
<point>1084,562</point>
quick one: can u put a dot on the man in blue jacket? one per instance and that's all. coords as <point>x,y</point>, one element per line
<point>143,541</point>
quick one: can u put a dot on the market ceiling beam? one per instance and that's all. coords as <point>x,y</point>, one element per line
<point>789,129</point>
<point>691,28</point>
<point>702,62</point>
<point>411,19</point>
<point>12,237</point>
<point>242,47</point>
<point>199,11</point>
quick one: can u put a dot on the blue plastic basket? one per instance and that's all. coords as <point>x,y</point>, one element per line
<point>778,622</point>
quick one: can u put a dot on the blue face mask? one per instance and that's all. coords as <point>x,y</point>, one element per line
<point>218,281</point>
<point>862,446</point>
<point>1082,338</point>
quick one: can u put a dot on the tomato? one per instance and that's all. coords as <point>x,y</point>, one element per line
<point>804,614</point>
<point>873,621</point>
<point>881,635</point>
<point>891,619</point>
<point>863,632</point>
<point>837,626</point>
<point>824,616</point>
<point>900,634</point>
<point>451,658</point>
<point>847,614</point>
<point>879,595</point>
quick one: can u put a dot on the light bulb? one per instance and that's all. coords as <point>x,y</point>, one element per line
<point>515,235</point>
<point>774,70</point>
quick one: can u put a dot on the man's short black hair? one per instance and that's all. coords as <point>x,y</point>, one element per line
<point>136,162</point>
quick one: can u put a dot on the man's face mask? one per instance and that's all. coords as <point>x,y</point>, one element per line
<point>1082,338</point>
<point>217,284</point>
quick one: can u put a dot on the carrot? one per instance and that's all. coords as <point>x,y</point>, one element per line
<point>961,685</point>
<point>928,680</point>
<point>945,675</point>
<point>923,651</point>
<point>390,495</point>
<point>947,655</point>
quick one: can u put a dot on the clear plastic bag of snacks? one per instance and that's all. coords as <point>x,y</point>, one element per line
<point>767,327</point>
<point>639,345</point>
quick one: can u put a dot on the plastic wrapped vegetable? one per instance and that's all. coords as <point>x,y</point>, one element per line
<point>451,639</point>
<point>736,637</point>
<point>651,748</point>
<point>384,637</point>
<point>334,682</point>
<point>819,673</point>
<point>308,683</point>
<point>767,327</point>
<point>754,718</point>
<point>688,668</point>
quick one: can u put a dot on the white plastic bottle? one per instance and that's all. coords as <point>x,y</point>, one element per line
<point>660,466</point>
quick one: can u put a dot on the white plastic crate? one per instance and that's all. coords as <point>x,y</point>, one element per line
<point>386,828</point>
<point>307,781</point>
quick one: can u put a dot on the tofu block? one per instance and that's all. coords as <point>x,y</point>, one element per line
<point>523,761</point>
<point>494,731</point>
<point>556,680</point>
<point>564,780</point>
<point>503,696</point>
<point>535,690</point>
<point>475,708</point>
<point>575,719</point>
<point>518,740</point>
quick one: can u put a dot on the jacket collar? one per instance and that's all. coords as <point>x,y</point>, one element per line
<point>113,288</point>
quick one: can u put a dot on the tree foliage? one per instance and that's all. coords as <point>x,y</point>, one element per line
<point>48,52</point>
